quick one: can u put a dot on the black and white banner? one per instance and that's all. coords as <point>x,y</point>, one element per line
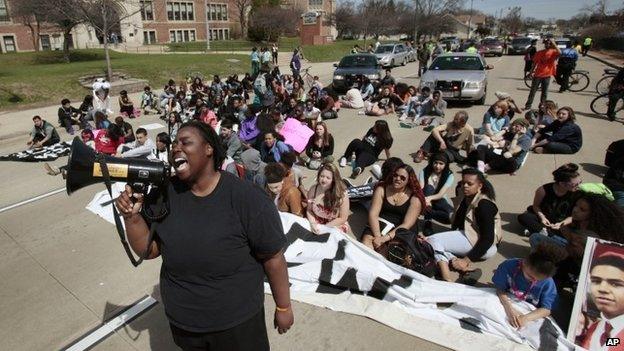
<point>47,153</point>
<point>335,271</point>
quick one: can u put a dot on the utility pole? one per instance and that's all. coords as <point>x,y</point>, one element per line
<point>207,26</point>
<point>469,20</point>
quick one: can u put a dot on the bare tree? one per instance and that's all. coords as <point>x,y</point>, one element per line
<point>242,9</point>
<point>60,13</point>
<point>102,15</point>
<point>32,15</point>
<point>378,17</point>
<point>513,21</point>
<point>347,19</point>
<point>597,9</point>
<point>429,16</point>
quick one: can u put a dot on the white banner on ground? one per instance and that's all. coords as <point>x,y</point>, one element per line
<point>335,271</point>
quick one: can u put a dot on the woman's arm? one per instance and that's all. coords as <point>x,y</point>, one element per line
<point>440,194</point>
<point>540,193</point>
<point>375,210</point>
<point>277,275</point>
<point>309,213</point>
<point>413,212</point>
<point>484,216</point>
<point>330,148</point>
<point>343,215</point>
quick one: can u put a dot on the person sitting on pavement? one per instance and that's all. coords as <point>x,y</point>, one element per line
<point>475,233</point>
<point>148,101</point>
<point>382,104</point>
<point>163,149</point>
<point>328,202</point>
<point>312,113</point>
<point>285,195</point>
<point>364,152</point>
<point>353,98</point>
<point>566,138</point>
<point>42,134</point>
<point>141,147</point>
<point>529,279</point>
<point>320,148</point>
<point>126,106</point>
<point>327,105</point>
<point>432,112</point>
<point>365,191</point>
<point>367,89</point>
<point>388,80</point>
<point>449,138</point>
<point>414,109</point>
<point>86,109</point>
<point>436,179</point>
<point>109,139</point>
<point>553,202</point>
<point>545,115</point>
<point>399,200</point>
<point>128,131</point>
<point>231,143</point>
<point>69,115</point>
<point>273,147</point>
<point>614,180</point>
<point>508,158</point>
<point>173,124</point>
<point>495,123</point>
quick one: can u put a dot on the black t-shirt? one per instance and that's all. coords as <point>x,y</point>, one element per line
<point>375,146</point>
<point>210,279</point>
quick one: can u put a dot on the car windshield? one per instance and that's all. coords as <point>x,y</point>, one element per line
<point>384,49</point>
<point>358,61</point>
<point>462,63</point>
<point>523,41</point>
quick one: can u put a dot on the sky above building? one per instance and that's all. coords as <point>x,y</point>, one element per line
<point>540,9</point>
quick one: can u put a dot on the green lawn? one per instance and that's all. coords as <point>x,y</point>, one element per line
<point>314,53</point>
<point>36,79</point>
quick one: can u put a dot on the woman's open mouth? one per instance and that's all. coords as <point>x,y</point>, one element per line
<point>180,164</point>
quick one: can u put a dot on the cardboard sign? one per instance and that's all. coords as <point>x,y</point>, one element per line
<point>296,134</point>
<point>601,276</point>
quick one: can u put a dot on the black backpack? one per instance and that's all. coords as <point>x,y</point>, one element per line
<point>614,152</point>
<point>407,251</point>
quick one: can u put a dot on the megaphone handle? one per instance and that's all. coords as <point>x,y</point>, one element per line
<point>137,188</point>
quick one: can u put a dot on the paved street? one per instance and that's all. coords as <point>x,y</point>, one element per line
<point>64,271</point>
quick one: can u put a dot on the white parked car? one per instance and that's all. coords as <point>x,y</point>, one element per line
<point>390,55</point>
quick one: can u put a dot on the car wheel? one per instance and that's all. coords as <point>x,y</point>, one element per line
<point>500,55</point>
<point>404,62</point>
<point>392,63</point>
<point>481,101</point>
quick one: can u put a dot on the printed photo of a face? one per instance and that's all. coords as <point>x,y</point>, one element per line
<point>600,321</point>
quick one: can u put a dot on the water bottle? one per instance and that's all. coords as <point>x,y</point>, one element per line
<point>353,163</point>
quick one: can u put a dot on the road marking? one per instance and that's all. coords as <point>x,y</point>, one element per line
<point>100,333</point>
<point>53,192</point>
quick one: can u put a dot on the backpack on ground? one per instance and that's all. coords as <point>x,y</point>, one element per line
<point>407,251</point>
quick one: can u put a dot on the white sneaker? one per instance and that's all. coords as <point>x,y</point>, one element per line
<point>343,162</point>
<point>403,117</point>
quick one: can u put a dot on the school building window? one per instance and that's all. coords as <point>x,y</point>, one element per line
<point>315,2</point>
<point>9,43</point>
<point>180,11</point>
<point>44,39</point>
<point>220,34</point>
<point>149,37</point>
<point>4,11</point>
<point>217,12</point>
<point>182,35</point>
<point>147,10</point>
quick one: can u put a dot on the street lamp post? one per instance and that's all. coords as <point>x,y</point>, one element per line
<point>207,26</point>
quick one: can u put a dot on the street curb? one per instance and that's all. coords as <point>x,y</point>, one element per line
<point>604,61</point>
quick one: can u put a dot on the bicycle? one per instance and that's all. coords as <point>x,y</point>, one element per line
<point>602,87</point>
<point>579,81</point>
<point>600,105</point>
<point>308,79</point>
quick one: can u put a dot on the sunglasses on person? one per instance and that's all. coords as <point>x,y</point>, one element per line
<point>401,177</point>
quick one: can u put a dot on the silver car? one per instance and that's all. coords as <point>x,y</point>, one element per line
<point>390,55</point>
<point>459,76</point>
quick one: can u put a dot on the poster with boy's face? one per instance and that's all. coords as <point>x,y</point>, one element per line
<point>597,321</point>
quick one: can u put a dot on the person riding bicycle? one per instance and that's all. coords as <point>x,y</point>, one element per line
<point>565,66</point>
<point>616,92</point>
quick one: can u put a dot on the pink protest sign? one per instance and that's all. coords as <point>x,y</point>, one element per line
<point>296,134</point>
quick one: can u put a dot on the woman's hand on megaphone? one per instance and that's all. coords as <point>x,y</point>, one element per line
<point>125,204</point>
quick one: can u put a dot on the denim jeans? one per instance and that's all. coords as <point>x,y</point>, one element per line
<point>535,84</point>
<point>536,238</point>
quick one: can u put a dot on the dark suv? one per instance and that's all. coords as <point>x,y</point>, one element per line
<point>353,66</point>
<point>519,45</point>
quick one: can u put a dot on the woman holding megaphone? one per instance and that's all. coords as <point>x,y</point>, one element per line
<point>220,237</point>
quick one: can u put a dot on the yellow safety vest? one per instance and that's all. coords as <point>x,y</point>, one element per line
<point>472,50</point>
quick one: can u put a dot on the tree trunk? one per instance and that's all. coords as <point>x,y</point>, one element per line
<point>66,35</point>
<point>109,69</point>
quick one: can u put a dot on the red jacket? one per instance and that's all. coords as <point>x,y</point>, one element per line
<point>106,145</point>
